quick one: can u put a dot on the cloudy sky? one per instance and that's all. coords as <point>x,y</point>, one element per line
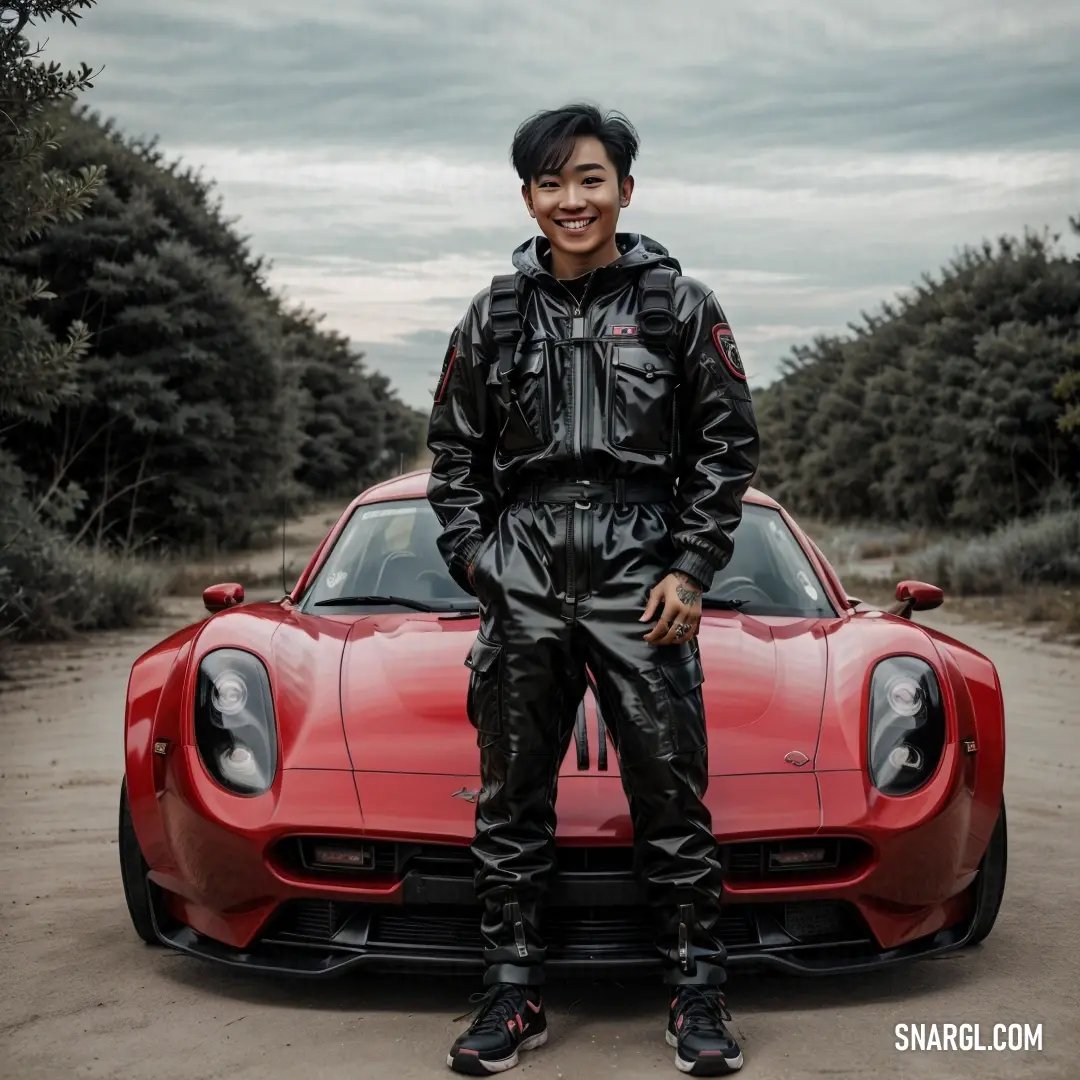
<point>806,158</point>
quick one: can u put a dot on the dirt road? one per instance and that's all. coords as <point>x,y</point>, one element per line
<point>80,996</point>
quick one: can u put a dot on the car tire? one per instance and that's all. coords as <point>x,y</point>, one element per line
<point>990,883</point>
<point>133,871</point>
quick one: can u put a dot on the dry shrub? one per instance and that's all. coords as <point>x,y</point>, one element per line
<point>73,589</point>
<point>846,545</point>
<point>1043,550</point>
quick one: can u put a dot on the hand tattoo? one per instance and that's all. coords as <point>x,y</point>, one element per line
<point>687,593</point>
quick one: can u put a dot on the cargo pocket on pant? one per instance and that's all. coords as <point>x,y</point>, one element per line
<point>682,680</point>
<point>484,704</point>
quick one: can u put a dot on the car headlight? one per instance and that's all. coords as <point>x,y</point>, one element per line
<point>234,721</point>
<point>907,724</point>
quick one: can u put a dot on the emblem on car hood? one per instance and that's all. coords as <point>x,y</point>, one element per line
<point>466,794</point>
<point>796,757</point>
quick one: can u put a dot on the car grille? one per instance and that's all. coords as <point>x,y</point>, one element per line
<point>842,857</point>
<point>569,931</point>
<point>318,920</point>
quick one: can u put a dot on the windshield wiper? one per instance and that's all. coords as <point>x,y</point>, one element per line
<point>723,605</point>
<point>366,601</point>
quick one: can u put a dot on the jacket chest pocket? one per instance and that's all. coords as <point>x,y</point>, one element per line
<point>641,400</point>
<point>525,400</point>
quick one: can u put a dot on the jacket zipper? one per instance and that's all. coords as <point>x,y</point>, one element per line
<point>579,420</point>
<point>578,387</point>
<point>579,366</point>
<point>578,363</point>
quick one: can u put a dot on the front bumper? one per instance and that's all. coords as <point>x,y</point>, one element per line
<point>318,937</point>
<point>312,939</point>
<point>234,896</point>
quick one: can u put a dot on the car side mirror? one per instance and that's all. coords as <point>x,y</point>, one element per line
<point>219,597</point>
<point>916,596</point>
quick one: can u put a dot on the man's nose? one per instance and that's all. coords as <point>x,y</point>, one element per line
<point>573,198</point>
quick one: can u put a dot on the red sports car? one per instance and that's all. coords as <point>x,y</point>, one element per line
<point>300,774</point>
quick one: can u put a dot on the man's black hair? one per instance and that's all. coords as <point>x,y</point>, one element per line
<point>545,142</point>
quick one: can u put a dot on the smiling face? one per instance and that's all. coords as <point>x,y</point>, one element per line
<point>578,208</point>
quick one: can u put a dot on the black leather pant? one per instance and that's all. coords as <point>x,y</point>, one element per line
<point>563,586</point>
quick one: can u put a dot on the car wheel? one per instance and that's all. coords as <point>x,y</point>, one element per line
<point>133,871</point>
<point>990,884</point>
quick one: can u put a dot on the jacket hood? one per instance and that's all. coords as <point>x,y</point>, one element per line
<point>533,258</point>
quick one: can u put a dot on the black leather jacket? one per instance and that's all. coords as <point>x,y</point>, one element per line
<point>596,405</point>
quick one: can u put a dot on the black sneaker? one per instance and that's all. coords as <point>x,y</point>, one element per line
<point>703,1045</point>
<point>508,1019</point>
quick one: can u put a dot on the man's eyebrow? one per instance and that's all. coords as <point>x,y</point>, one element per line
<point>579,168</point>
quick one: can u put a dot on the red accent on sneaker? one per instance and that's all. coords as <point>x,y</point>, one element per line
<point>475,1053</point>
<point>535,1008</point>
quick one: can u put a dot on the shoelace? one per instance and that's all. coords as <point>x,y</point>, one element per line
<point>494,1008</point>
<point>703,1009</point>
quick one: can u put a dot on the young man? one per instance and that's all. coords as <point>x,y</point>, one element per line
<point>588,479</point>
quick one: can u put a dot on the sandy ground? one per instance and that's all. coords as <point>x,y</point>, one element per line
<point>81,996</point>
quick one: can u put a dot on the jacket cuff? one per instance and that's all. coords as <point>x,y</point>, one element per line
<point>697,566</point>
<point>459,565</point>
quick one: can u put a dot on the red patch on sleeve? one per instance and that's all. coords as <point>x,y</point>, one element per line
<point>448,364</point>
<point>724,340</point>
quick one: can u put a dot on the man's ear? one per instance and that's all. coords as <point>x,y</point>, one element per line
<point>528,200</point>
<point>625,191</point>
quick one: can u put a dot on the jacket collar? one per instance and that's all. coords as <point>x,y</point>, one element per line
<point>636,251</point>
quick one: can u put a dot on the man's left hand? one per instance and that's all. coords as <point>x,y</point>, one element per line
<point>679,598</point>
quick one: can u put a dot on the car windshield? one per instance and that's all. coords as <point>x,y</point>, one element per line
<point>389,550</point>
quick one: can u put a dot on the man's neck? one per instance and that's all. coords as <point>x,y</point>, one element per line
<point>564,266</point>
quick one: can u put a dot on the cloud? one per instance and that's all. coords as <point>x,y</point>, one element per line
<point>459,76</point>
<point>808,160</point>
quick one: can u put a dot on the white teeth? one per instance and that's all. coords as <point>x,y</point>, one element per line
<point>576,225</point>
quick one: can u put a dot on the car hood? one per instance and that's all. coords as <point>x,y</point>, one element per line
<point>404,683</point>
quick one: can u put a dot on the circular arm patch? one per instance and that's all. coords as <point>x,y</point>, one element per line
<point>724,340</point>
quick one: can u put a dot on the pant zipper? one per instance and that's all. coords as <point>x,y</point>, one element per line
<point>512,914</point>
<point>570,603</point>
<point>687,960</point>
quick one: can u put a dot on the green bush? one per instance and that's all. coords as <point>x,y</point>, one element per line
<point>206,405</point>
<point>155,392</point>
<point>1042,550</point>
<point>51,587</point>
<point>956,407</point>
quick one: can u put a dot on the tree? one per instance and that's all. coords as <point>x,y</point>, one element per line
<point>36,369</point>
<point>957,404</point>
<point>208,406</point>
<point>153,388</point>
<point>38,366</point>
